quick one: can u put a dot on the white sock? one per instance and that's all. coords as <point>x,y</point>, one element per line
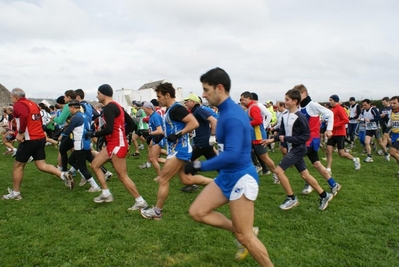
<point>106,192</point>
<point>14,149</point>
<point>92,182</point>
<point>60,168</point>
<point>16,193</point>
<point>72,169</point>
<point>63,176</point>
<point>140,199</point>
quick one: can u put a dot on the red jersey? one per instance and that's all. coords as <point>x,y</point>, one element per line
<point>256,121</point>
<point>160,111</point>
<point>27,116</point>
<point>117,137</point>
<point>340,120</point>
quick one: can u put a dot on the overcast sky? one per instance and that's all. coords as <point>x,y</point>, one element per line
<point>339,47</point>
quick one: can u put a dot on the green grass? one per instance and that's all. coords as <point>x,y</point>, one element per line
<point>52,226</point>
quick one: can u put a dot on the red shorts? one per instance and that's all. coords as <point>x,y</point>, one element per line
<point>119,151</point>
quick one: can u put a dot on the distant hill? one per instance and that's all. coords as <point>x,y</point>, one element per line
<point>4,96</point>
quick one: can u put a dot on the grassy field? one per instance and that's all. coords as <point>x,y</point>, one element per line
<point>52,226</point>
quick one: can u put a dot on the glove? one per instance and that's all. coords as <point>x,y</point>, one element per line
<point>212,140</point>
<point>89,134</point>
<point>157,138</point>
<point>173,137</point>
<point>192,167</point>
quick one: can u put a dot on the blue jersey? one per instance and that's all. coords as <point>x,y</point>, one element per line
<point>78,126</point>
<point>154,122</point>
<point>233,133</point>
<point>181,148</point>
<point>88,109</point>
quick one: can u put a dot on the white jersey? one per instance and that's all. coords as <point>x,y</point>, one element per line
<point>353,114</point>
<point>370,114</point>
<point>266,115</point>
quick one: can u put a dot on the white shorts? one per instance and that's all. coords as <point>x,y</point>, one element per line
<point>247,186</point>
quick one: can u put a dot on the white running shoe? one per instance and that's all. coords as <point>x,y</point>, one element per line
<point>335,189</point>
<point>145,165</point>
<point>289,203</point>
<point>307,189</point>
<point>324,201</point>
<point>69,182</point>
<point>368,160</point>
<point>108,175</point>
<point>275,179</point>
<point>101,198</point>
<point>150,214</point>
<point>83,181</point>
<point>94,189</point>
<point>357,164</point>
<point>12,195</point>
<point>139,205</point>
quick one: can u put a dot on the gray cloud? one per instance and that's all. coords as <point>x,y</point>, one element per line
<point>343,47</point>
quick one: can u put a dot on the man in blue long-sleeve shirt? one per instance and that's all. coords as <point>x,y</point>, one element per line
<point>237,182</point>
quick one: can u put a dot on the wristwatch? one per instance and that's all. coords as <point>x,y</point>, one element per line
<point>20,132</point>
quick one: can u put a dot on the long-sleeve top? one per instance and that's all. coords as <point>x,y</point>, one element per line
<point>233,132</point>
<point>78,126</point>
<point>61,119</point>
<point>256,121</point>
<point>340,120</point>
<point>295,129</point>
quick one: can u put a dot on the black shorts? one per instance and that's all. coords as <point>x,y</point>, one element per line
<point>259,149</point>
<point>143,133</point>
<point>385,129</point>
<point>294,157</point>
<point>313,155</point>
<point>336,140</point>
<point>208,153</point>
<point>28,148</point>
<point>376,133</point>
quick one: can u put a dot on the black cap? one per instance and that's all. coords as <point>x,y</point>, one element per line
<point>335,98</point>
<point>106,90</point>
<point>352,98</point>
